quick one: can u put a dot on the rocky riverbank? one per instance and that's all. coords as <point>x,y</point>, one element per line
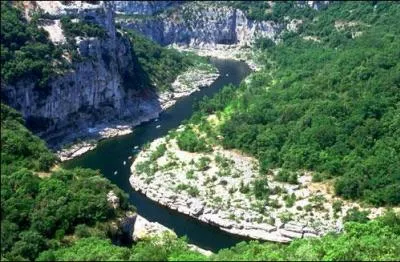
<point>219,188</point>
<point>139,228</point>
<point>235,52</point>
<point>185,84</point>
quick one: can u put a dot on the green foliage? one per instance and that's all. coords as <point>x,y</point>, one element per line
<point>263,43</point>
<point>374,240</point>
<point>19,147</point>
<point>276,11</point>
<point>331,107</point>
<point>159,152</point>
<point>203,163</point>
<point>286,176</point>
<point>81,28</point>
<point>87,249</point>
<point>51,207</point>
<point>337,206</point>
<point>260,188</point>
<point>290,200</point>
<point>26,51</point>
<point>356,216</point>
<point>37,213</point>
<point>159,65</point>
<point>189,141</point>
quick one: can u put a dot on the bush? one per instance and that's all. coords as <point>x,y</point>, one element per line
<point>189,141</point>
<point>260,188</point>
<point>356,215</point>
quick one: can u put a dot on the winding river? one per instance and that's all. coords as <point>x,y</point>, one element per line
<point>110,154</point>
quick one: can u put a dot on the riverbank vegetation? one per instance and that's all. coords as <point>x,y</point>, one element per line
<point>162,65</point>
<point>330,106</point>
<point>374,240</point>
<point>42,209</point>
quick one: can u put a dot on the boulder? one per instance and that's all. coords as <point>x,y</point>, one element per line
<point>113,200</point>
<point>196,207</point>
<point>144,229</point>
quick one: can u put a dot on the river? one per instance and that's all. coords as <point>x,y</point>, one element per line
<point>110,154</point>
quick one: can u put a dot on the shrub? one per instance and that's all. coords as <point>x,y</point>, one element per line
<point>187,140</point>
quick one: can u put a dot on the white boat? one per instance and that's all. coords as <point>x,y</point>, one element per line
<point>156,120</point>
<point>129,157</point>
<point>124,162</point>
<point>136,147</point>
<point>227,75</point>
<point>158,126</point>
<point>115,172</point>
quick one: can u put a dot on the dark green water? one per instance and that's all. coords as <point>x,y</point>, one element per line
<point>110,154</point>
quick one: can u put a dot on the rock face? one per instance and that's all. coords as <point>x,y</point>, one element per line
<point>99,89</point>
<point>112,199</point>
<point>144,229</point>
<point>199,24</point>
<point>144,7</point>
<point>218,188</point>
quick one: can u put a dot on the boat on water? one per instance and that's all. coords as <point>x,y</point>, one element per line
<point>115,172</point>
<point>158,126</point>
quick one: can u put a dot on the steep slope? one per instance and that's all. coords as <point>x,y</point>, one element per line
<point>99,87</point>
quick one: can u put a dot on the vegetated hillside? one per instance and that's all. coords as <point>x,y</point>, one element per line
<point>42,213</point>
<point>27,52</point>
<point>160,65</point>
<point>328,101</point>
<point>67,213</point>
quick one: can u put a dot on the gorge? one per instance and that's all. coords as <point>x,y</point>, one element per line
<point>223,121</point>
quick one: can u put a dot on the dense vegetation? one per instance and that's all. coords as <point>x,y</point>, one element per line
<point>81,28</point>
<point>41,213</point>
<point>161,65</point>
<point>26,51</point>
<point>276,11</point>
<point>330,106</point>
<point>19,148</point>
<point>375,240</point>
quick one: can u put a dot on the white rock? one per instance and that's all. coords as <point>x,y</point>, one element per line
<point>143,229</point>
<point>290,234</point>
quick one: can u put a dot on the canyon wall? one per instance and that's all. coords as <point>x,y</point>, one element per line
<point>199,24</point>
<point>99,89</point>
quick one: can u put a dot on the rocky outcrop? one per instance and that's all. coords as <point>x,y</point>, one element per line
<point>199,24</point>
<point>218,188</point>
<point>144,7</point>
<point>144,229</point>
<point>202,24</point>
<point>100,89</point>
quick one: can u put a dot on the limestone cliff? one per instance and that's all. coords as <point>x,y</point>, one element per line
<point>101,88</point>
<point>199,24</point>
<point>144,7</point>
